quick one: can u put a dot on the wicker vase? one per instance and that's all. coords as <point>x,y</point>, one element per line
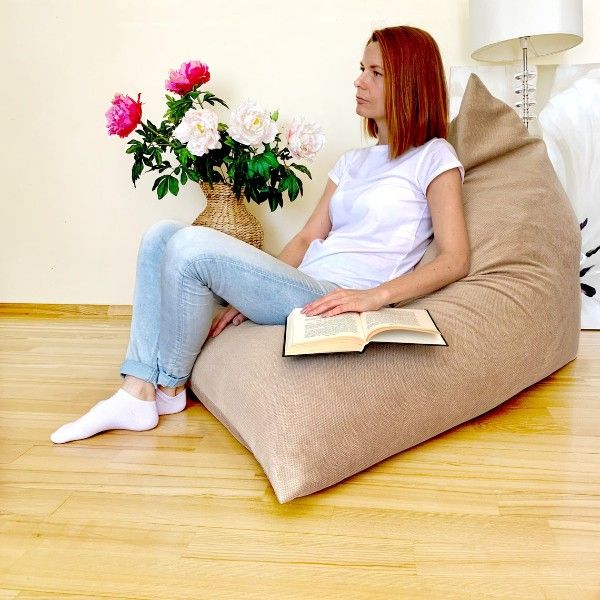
<point>228,214</point>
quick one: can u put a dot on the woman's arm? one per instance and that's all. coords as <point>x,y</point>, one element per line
<point>318,226</point>
<point>444,195</point>
<point>294,251</point>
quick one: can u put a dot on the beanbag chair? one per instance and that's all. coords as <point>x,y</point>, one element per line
<point>312,421</point>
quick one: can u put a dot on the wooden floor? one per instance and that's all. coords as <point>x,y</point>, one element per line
<point>504,506</point>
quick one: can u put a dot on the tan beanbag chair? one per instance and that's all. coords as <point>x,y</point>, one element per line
<point>312,421</point>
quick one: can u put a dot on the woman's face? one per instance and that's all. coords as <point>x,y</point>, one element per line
<point>370,92</point>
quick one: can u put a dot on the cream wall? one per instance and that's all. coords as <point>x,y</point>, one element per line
<point>71,218</point>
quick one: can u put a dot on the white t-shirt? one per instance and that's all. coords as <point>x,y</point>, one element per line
<point>381,224</point>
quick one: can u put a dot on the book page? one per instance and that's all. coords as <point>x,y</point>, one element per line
<point>311,328</point>
<point>325,327</point>
<point>409,337</point>
<point>403,317</point>
<point>318,334</point>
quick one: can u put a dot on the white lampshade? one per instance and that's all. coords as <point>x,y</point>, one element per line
<point>497,25</point>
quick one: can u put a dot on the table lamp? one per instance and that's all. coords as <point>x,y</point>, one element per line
<point>510,30</point>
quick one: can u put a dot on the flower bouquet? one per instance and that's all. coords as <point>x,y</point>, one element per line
<point>250,153</point>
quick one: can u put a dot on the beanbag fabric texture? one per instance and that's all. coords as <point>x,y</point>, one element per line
<point>312,421</point>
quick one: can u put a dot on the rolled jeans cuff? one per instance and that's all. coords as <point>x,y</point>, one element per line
<point>139,370</point>
<point>170,381</point>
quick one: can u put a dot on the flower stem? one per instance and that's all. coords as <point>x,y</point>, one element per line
<point>171,145</point>
<point>159,135</point>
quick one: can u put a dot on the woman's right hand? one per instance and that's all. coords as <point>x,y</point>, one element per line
<point>231,313</point>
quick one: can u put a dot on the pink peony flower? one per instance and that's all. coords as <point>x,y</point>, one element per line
<point>189,75</point>
<point>124,115</point>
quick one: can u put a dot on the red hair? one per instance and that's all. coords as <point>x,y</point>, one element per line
<point>416,94</point>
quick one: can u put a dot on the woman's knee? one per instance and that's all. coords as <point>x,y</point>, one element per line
<point>159,233</point>
<point>188,242</point>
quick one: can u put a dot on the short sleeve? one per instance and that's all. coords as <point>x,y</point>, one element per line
<point>338,168</point>
<point>440,156</point>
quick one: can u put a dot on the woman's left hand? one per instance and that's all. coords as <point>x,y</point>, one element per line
<point>345,300</point>
<point>231,313</point>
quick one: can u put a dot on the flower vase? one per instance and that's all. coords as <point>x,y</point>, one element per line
<point>228,214</point>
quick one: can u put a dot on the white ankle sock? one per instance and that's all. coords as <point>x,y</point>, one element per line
<point>167,405</point>
<point>121,411</point>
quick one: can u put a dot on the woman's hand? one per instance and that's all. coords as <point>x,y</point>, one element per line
<point>231,313</point>
<point>345,300</point>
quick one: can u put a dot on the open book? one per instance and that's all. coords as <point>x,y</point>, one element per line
<point>352,331</point>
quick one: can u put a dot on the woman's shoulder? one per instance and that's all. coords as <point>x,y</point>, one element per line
<point>362,149</point>
<point>355,150</point>
<point>347,157</point>
<point>437,144</point>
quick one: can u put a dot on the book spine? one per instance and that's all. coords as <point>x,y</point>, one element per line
<point>441,334</point>
<point>284,338</point>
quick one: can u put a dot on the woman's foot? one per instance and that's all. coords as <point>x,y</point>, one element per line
<point>170,400</point>
<point>122,410</point>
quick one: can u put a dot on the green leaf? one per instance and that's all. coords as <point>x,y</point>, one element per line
<point>275,200</point>
<point>183,156</point>
<point>271,159</point>
<point>136,171</point>
<point>283,184</point>
<point>183,178</point>
<point>259,164</point>
<point>163,188</point>
<point>157,182</point>
<point>293,187</point>
<point>192,175</point>
<point>275,115</point>
<point>173,185</point>
<point>301,168</point>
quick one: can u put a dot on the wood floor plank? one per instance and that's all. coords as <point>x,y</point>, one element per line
<point>504,506</point>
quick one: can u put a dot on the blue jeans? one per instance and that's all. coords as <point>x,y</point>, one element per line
<point>183,271</point>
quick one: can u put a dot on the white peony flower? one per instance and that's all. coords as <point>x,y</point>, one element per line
<point>252,125</point>
<point>304,138</point>
<point>199,130</point>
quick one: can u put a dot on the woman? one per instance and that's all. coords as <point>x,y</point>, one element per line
<point>357,251</point>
